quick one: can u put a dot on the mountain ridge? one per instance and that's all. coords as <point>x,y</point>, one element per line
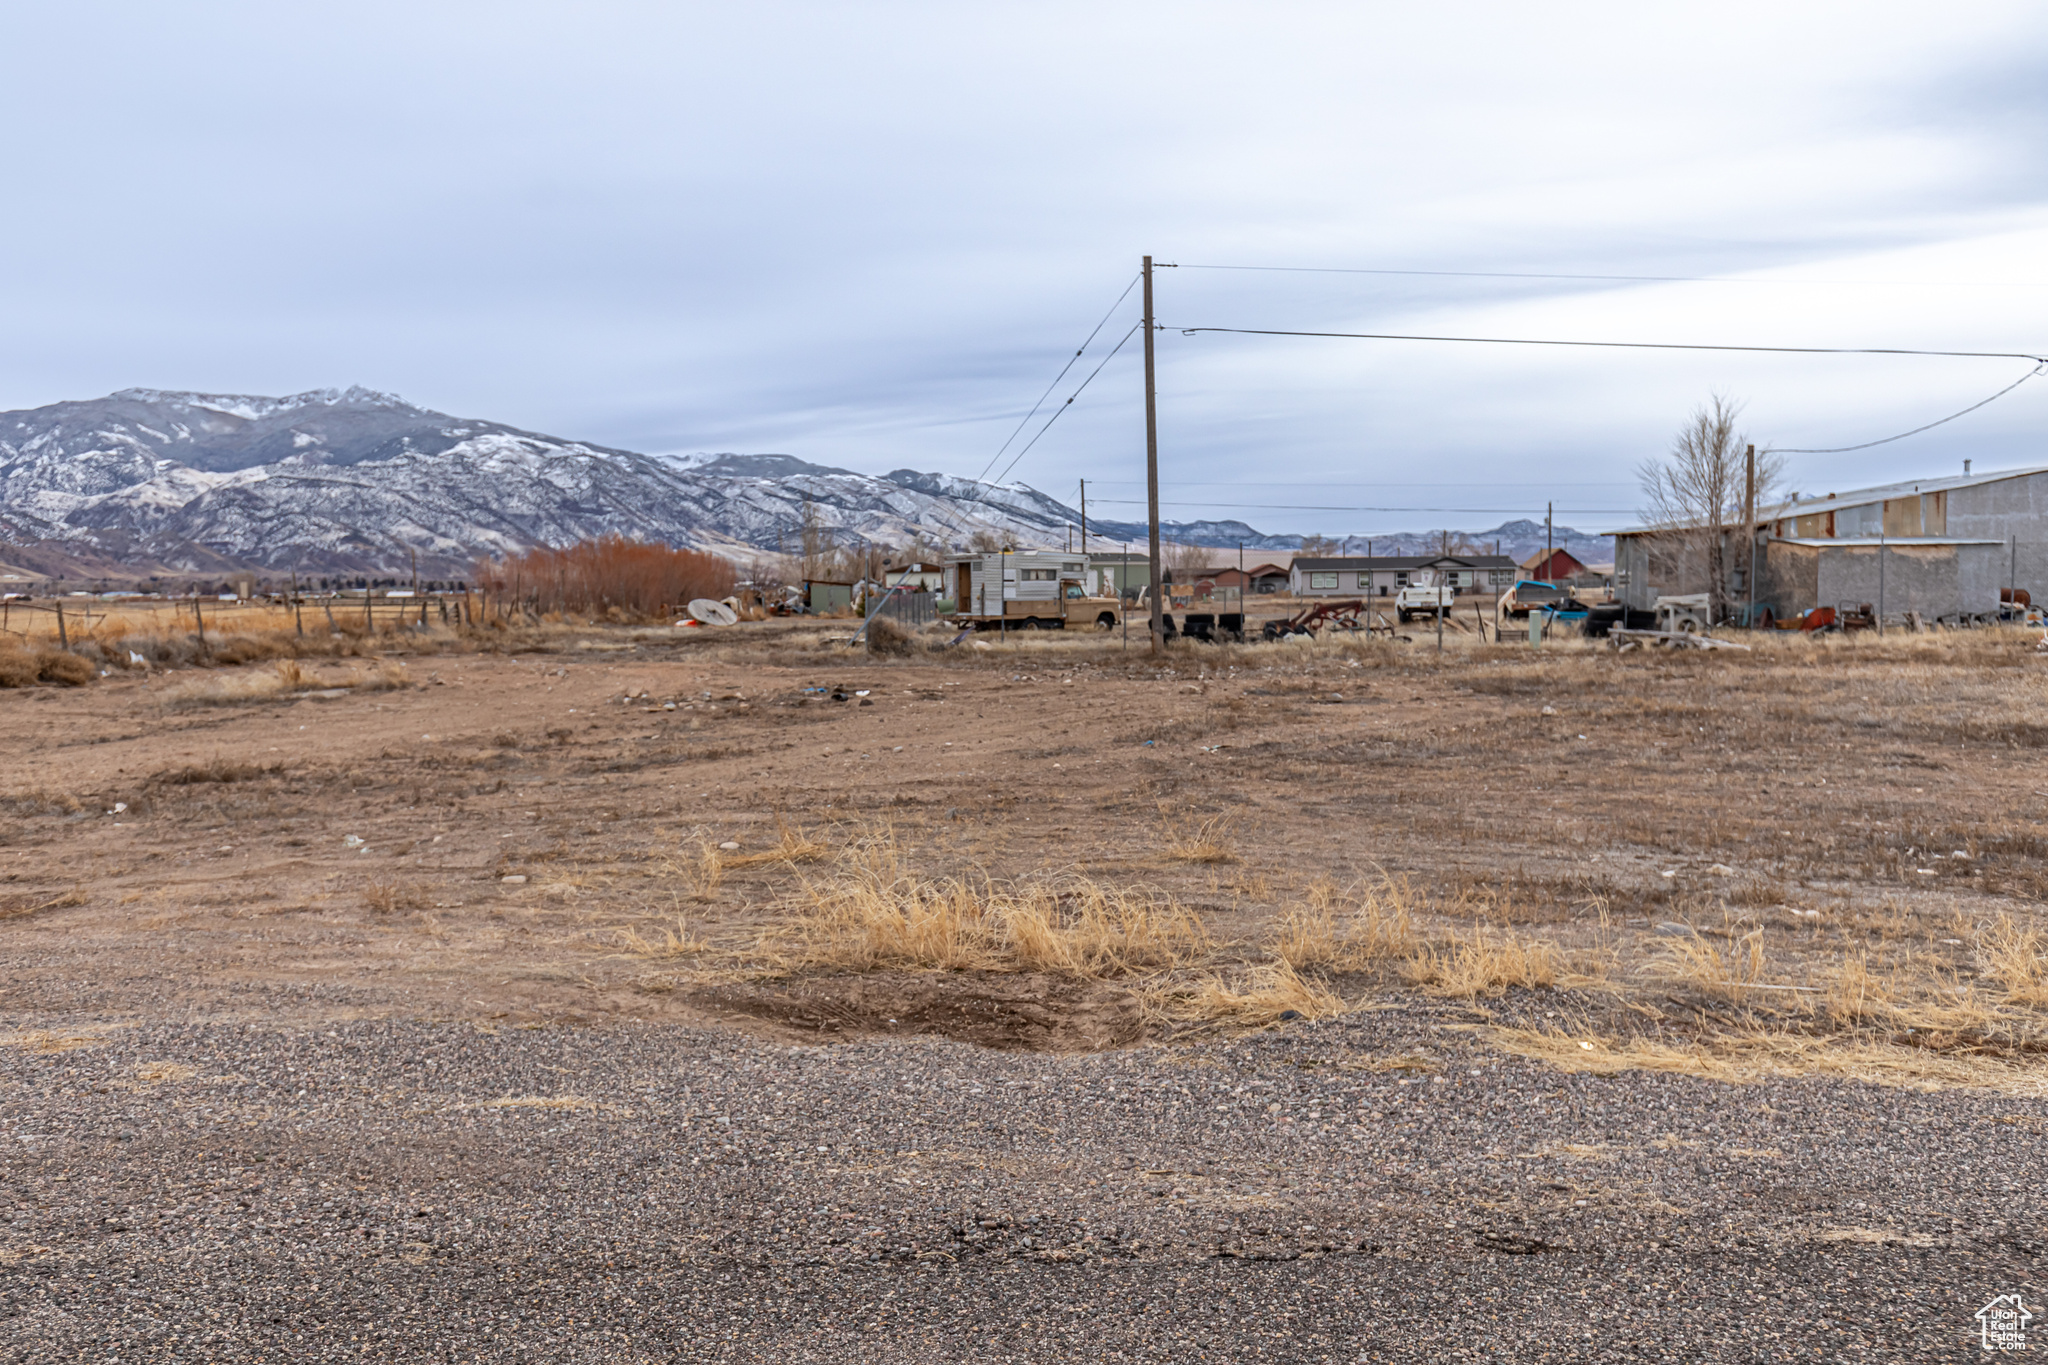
<point>357,480</point>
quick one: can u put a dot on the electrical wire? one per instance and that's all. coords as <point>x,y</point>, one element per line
<point>1331,507</point>
<point>1625,345</point>
<point>1837,450</point>
<point>1068,404</point>
<point>1061,375</point>
<point>1632,279</point>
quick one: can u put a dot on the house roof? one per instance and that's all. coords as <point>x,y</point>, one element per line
<point>1472,561</point>
<point>1807,504</point>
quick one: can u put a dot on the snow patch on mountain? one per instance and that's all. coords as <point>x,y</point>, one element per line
<point>354,480</point>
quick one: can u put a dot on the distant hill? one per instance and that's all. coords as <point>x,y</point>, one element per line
<point>351,481</point>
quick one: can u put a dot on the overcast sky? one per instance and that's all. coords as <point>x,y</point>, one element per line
<point>869,235</point>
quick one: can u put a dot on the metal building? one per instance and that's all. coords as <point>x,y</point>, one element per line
<point>1941,547</point>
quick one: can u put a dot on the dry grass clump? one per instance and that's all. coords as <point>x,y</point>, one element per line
<point>25,667</point>
<point>1376,925</point>
<point>1755,1054</point>
<point>1265,995</point>
<point>879,914</point>
<point>387,897</point>
<point>2016,959</point>
<point>1855,996</point>
<point>888,638</point>
<point>386,675</point>
<point>662,943</point>
<point>287,678</point>
<point>1483,964</point>
<point>230,689</point>
<point>791,846</point>
<point>1204,844</point>
<point>1729,972</point>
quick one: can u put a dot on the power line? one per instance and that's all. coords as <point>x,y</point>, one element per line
<point>1332,507</point>
<point>1837,450</point>
<point>1061,375</point>
<point>1633,279</point>
<point>1441,483</point>
<point>1068,404</point>
<point>1625,345</point>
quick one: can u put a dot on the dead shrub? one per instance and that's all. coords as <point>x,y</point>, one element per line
<point>386,676</point>
<point>888,638</point>
<point>216,769</point>
<point>64,668</point>
<point>386,897</point>
<point>18,668</point>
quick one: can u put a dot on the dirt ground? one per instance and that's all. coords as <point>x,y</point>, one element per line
<point>588,831</point>
<point>1815,868</point>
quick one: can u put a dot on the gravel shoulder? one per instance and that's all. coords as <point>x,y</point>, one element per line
<point>1379,1188</point>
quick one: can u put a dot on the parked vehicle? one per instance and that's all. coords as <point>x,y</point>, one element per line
<point>1533,594</point>
<point>1425,597</point>
<point>1027,590</point>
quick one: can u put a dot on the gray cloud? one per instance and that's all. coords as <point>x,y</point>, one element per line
<point>868,235</point>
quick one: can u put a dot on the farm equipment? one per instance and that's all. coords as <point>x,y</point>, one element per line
<point>1685,612</point>
<point>1353,616</point>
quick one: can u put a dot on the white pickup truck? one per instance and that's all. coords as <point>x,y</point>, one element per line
<point>1425,598</point>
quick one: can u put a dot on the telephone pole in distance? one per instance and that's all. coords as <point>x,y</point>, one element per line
<point>1152,466</point>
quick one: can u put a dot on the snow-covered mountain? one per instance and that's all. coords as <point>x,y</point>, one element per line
<point>354,481</point>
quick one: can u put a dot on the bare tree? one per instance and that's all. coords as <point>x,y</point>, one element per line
<point>1184,563</point>
<point>1696,493</point>
<point>819,543</point>
<point>1453,543</point>
<point>1320,547</point>
<point>986,542</point>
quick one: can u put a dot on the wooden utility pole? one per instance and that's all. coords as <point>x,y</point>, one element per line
<point>1152,469</point>
<point>1084,516</point>
<point>1749,524</point>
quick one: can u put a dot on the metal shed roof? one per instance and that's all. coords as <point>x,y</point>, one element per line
<point>1807,504</point>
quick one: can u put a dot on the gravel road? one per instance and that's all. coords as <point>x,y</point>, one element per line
<point>1383,1187</point>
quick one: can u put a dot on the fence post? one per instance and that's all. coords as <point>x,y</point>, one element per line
<point>198,620</point>
<point>62,639</point>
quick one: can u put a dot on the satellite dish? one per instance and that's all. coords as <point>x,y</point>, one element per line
<point>711,613</point>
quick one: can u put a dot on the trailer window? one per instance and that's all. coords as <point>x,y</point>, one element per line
<point>1039,575</point>
<point>1323,580</point>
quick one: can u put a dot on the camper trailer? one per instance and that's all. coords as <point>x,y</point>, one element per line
<point>1028,590</point>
